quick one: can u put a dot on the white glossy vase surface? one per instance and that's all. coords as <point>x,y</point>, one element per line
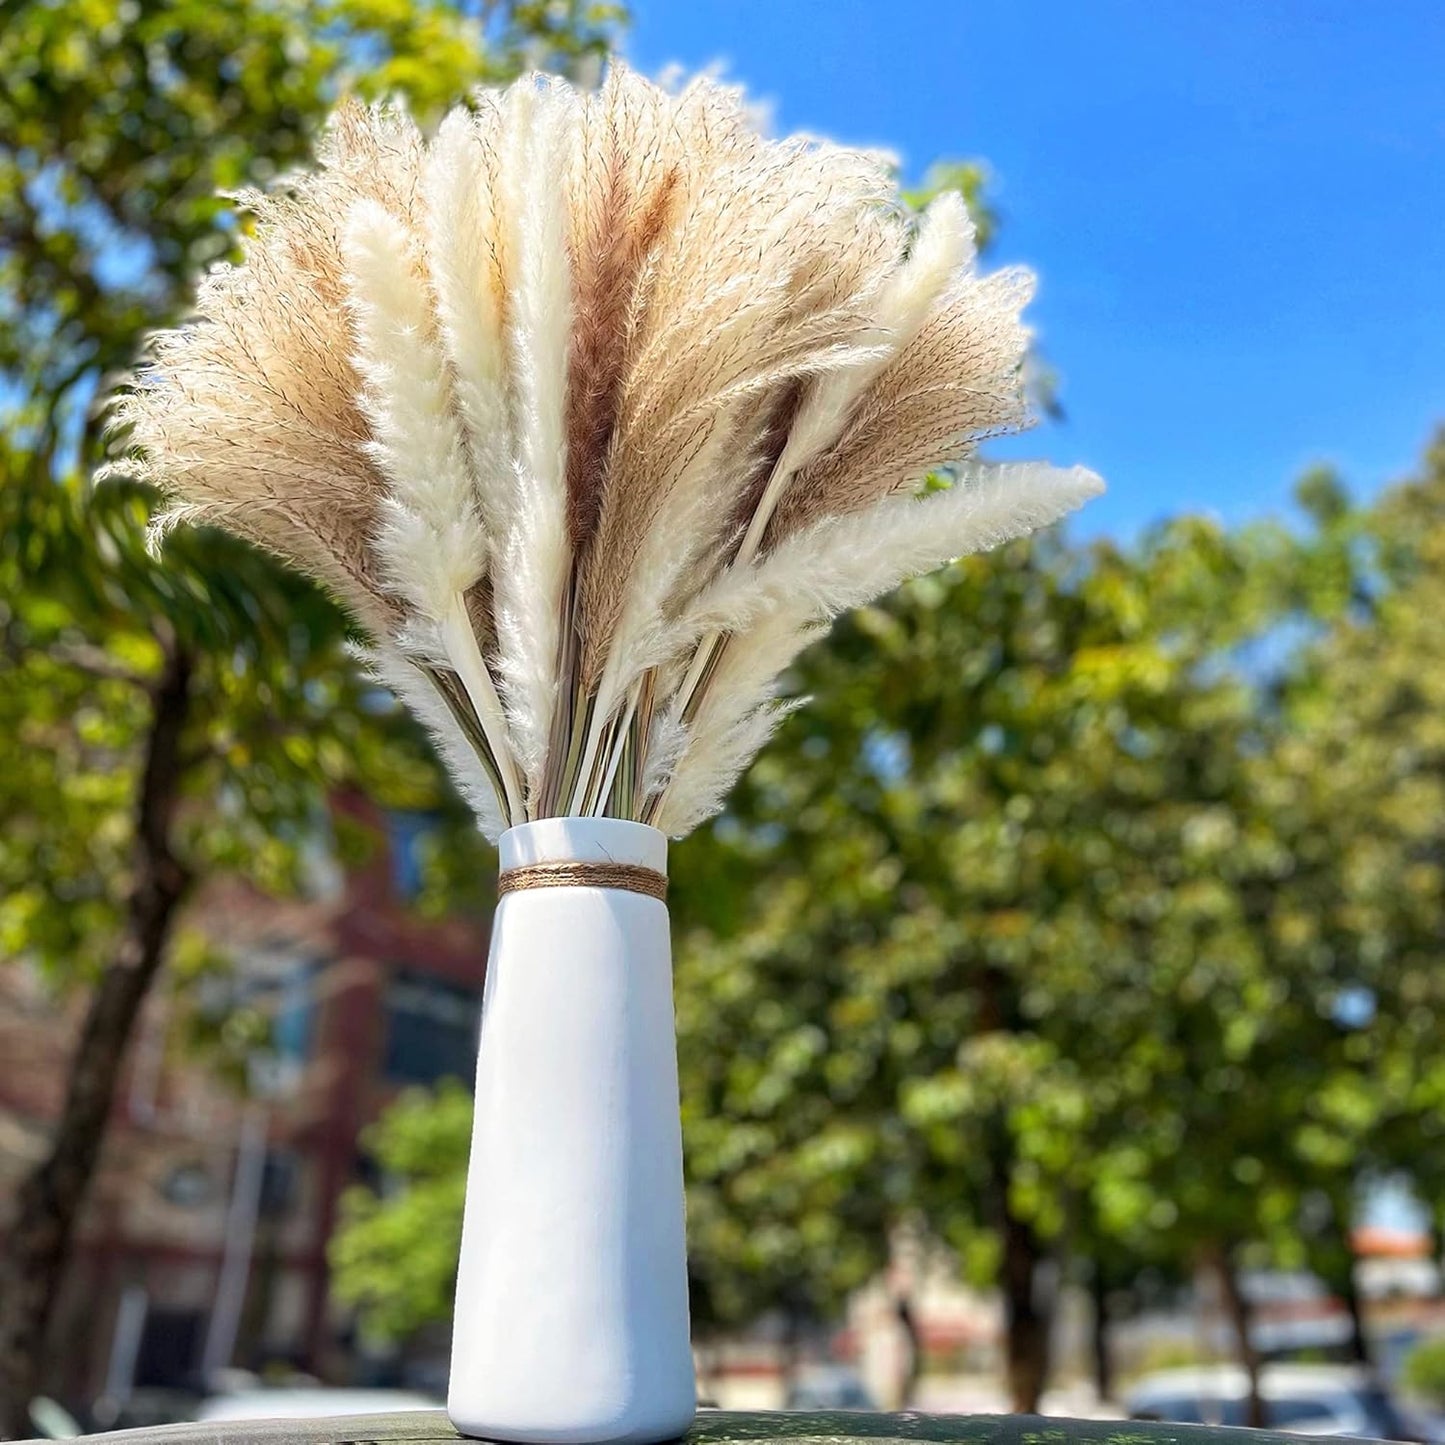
<point>571,1317</point>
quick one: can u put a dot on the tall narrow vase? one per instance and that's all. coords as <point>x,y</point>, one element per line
<point>571,1320</point>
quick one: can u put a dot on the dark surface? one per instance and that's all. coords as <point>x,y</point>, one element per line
<point>716,1427</point>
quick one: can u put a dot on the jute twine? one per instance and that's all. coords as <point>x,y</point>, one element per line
<point>630,877</point>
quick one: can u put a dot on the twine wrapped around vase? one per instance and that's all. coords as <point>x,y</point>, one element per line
<point>629,877</point>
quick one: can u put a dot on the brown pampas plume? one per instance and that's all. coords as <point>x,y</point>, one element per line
<point>624,187</point>
<point>594,409</point>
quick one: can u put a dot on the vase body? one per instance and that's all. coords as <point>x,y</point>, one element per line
<point>571,1317</point>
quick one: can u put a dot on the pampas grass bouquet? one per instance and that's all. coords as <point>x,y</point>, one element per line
<point>593,409</point>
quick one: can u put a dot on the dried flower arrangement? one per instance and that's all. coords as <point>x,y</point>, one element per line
<point>594,410</point>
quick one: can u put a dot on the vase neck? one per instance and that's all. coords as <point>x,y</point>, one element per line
<point>583,840</point>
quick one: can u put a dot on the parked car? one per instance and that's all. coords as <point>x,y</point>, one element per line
<point>1298,1399</point>
<point>51,1420</point>
<point>828,1387</point>
<point>298,1402</point>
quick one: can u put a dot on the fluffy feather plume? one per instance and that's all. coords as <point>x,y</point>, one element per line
<point>595,409</point>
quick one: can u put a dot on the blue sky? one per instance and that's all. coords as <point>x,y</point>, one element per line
<point>1236,209</point>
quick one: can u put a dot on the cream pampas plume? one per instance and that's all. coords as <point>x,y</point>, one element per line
<point>594,410</point>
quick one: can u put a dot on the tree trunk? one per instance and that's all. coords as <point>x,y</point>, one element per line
<point>1355,1308</point>
<point>1026,1317</point>
<point>908,1319</point>
<point>1240,1313</point>
<point>790,1354</point>
<point>1340,1254</point>
<point>1099,1333</point>
<point>49,1199</point>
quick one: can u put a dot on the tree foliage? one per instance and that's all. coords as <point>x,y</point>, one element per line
<point>1112,875</point>
<point>395,1256</point>
<point>123,123</point>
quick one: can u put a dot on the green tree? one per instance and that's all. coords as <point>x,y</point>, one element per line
<point>969,818</point>
<point>1358,779</point>
<point>1296,1063</point>
<point>1016,882</point>
<point>395,1256</point>
<point>163,722</point>
<point>1423,1373</point>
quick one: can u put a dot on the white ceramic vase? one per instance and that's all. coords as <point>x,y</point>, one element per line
<point>571,1317</point>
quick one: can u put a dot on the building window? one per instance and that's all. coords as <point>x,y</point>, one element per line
<point>407,834</point>
<point>170,1348</point>
<point>280,1183</point>
<point>294,1023</point>
<point>188,1186</point>
<point>431,1030</point>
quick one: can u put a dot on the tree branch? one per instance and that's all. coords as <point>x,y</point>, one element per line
<point>86,657</point>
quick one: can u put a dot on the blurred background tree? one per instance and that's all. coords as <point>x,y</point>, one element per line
<point>1108,877</point>
<point>396,1258</point>
<point>1018,742</point>
<point>164,723</point>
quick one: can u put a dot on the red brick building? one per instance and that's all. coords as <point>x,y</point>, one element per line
<point>204,1239</point>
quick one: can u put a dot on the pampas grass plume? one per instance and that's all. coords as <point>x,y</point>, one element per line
<point>594,410</point>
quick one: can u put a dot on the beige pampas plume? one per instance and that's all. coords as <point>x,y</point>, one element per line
<point>594,410</point>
